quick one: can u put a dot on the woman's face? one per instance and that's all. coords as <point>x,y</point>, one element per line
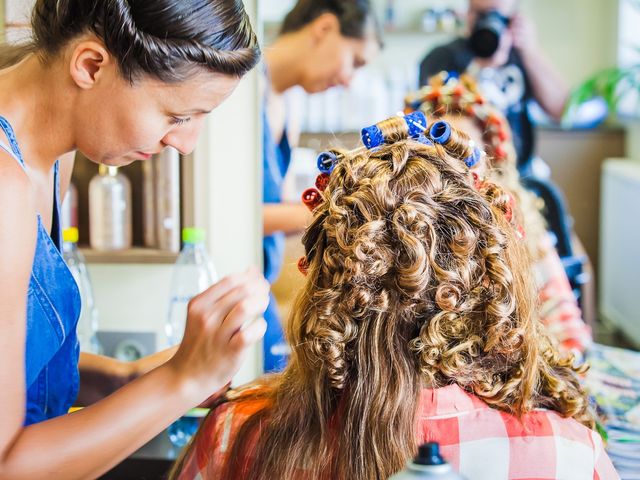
<point>334,59</point>
<point>117,123</point>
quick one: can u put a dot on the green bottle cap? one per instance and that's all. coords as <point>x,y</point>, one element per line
<point>193,235</point>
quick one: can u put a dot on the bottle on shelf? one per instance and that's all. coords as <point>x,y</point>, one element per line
<point>69,208</point>
<point>88,322</point>
<point>110,210</point>
<point>193,273</point>
<point>167,190</point>
<point>149,204</point>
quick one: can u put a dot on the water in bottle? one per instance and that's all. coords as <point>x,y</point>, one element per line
<point>88,322</point>
<point>193,273</point>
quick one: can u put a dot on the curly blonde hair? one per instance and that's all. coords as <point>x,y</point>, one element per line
<point>447,97</point>
<point>415,279</point>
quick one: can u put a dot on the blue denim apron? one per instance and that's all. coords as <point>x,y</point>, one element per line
<point>53,308</point>
<point>276,160</point>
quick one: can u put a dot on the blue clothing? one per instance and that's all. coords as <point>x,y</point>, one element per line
<point>276,160</point>
<point>53,308</point>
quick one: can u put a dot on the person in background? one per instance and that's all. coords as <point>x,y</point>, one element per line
<point>416,322</point>
<point>459,102</point>
<point>118,80</point>
<point>321,45</point>
<point>511,71</point>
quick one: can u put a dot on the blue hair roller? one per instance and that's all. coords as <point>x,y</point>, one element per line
<point>474,158</point>
<point>424,140</point>
<point>451,75</point>
<point>327,162</point>
<point>373,137</point>
<point>440,132</point>
<point>417,123</point>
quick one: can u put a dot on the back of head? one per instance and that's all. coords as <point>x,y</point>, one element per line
<point>164,39</point>
<point>356,17</point>
<point>415,278</point>
<point>452,98</point>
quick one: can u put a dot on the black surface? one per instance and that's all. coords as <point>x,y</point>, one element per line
<point>151,462</point>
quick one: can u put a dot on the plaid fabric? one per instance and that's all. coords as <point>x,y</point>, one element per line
<point>480,442</point>
<point>559,309</point>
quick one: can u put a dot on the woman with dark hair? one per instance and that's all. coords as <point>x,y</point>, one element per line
<point>118,80</point>
<point>321,44</point>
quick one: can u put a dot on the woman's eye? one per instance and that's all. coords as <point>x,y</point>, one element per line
<point>179,120</point>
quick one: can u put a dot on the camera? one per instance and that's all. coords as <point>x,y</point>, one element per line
<point>485,38</point>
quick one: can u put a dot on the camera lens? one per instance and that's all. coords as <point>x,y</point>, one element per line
<point>485,38</point>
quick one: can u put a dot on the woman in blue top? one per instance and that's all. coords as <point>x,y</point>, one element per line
<point>321,44</point>
<point>118,80</point>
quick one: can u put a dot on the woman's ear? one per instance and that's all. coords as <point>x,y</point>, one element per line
<point>89,61</point>
<point>324,25</point>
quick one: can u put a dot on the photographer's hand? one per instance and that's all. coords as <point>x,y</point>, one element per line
<point>524,34</point>
<point>550,89</point>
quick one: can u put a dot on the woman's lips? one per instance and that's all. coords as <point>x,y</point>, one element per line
<point>144,156</point>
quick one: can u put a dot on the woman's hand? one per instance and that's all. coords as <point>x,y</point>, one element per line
<point>223,322</point>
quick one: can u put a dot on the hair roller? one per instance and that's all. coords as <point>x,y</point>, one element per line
<point>394,129</point>
<point>322,181</point>
<point>473,159</point>
<point>303,265</point>
<point>311,198</point>
<point>457,143</point>
<point>327,161</point>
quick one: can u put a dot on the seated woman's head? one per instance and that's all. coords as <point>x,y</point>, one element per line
<point>415,279</point>
<point>459,102</point>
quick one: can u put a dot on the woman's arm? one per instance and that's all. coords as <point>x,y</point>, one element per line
<point>100,376</point>
<point>285,217</point>
<point>89,442</point>
<point>17,244</point>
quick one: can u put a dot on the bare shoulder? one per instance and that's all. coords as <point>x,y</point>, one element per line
<point>15,186</point>
<point>18,221</point>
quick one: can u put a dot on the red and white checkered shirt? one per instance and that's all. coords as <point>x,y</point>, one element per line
<point>480,442</point>
<point>558,307</point>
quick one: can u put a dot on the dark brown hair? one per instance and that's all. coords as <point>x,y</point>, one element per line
<point>356,17</point>
<point>164,39</point>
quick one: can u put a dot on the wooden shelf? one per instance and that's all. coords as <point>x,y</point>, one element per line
<point>133,255</point>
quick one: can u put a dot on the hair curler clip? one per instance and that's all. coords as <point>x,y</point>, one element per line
<point>322,181</point>
<point>440,132</point>
<point>327,162</point>
<point>475,157</point>
<point>311,198</point>
<point>303,265</point>
<point>373,137</point>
